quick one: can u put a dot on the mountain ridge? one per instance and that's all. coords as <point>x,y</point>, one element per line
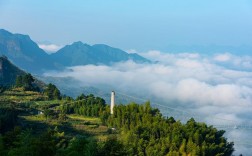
<point>79,53</point>
<point>25,53</point>
<point>8,72</point>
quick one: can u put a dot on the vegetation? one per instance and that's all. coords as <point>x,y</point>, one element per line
<point>2,89</point>
<point>8,119</point>
<point>145,132</point>
<point>52,92</point>
<point>86,106</point>
<point>8,72</point>
<point>26,81</point>
<point>59,125</point>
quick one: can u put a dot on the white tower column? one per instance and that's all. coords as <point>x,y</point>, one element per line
<point>112,104</point>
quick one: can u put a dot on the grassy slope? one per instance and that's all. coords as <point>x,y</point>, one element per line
<point>29,103</point>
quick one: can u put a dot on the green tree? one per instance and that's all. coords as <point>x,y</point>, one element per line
<point>80,146</point>
<point>52,92</point>
<point>112,147</point>
<point>26,81</point>
<point>19,81</point>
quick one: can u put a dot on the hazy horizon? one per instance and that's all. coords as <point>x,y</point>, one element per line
<point>140,25</point>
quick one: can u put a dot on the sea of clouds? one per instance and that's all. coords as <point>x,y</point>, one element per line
<point>216,89</point>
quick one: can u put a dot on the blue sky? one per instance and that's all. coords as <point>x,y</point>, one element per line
<point>131,24</point>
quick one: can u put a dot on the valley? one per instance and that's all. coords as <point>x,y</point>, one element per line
<point>49,123</point>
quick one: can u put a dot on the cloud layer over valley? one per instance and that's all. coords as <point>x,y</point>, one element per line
<point>212,87</point>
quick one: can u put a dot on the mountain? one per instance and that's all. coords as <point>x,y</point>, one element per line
<point>8,72</point>
<point>83,54</point>
<point>24,52</point>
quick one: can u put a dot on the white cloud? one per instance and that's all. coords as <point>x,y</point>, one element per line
<point>237,62</point>
<point>222,57</point>
<point>50,48</point>
<point>214,93</point>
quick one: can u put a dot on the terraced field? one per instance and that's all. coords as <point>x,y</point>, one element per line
<point>31,106</point>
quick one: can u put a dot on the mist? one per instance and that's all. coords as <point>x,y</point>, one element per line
<point>216,89</point>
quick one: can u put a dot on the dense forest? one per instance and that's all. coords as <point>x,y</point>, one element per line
<point>133,129</point>
<point>145,132</point>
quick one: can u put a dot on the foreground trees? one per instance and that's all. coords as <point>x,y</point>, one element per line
<point>52,142</point>
<point>85,105</point>
<point>27,82</point>
<point>145,132</point>
<point>52,92</point>
<point>133,130</point>
<point>8,119</point>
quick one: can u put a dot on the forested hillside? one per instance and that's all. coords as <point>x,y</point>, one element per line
<point>8,72</point>
<point>44,122</point>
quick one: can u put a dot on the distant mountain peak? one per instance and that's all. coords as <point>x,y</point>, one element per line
<point>4,32</point>
<point>26,54</point>
<point>9,34</point>
<point>79,43</point>
<point>79,53</point>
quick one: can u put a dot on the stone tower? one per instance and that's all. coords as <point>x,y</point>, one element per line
<point>112,104</point>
